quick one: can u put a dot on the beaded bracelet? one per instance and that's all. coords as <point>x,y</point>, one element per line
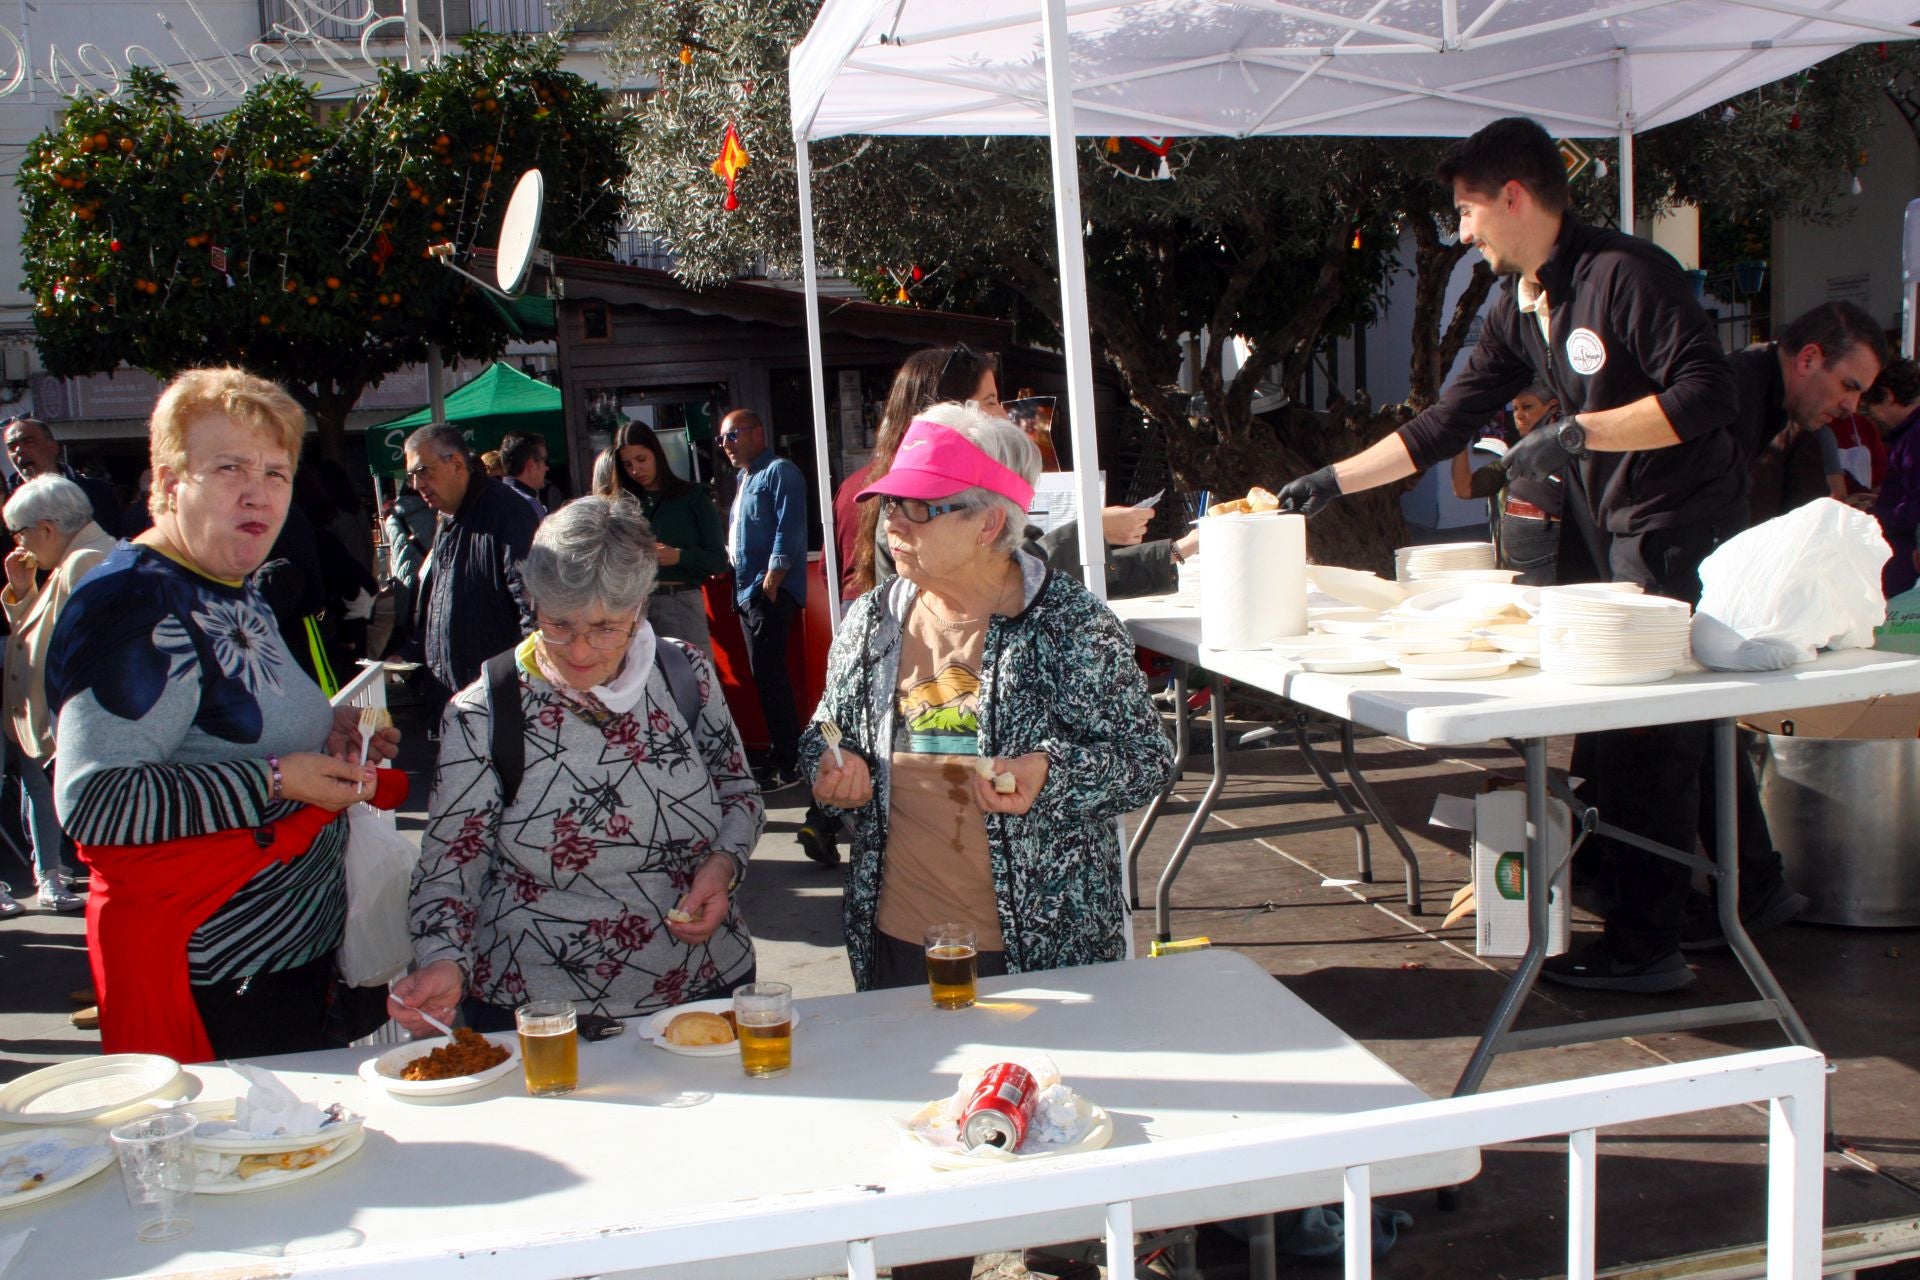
<point>273,768</point>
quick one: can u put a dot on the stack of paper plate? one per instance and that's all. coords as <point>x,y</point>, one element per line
<point>1591,635</point>
<point>1410,564</point>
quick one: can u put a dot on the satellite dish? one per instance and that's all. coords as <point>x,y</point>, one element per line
<point>520,231</point>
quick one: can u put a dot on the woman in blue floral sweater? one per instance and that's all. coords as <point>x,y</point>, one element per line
<point>978,653</point>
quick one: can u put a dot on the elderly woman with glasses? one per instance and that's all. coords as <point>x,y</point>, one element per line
<point>51,520</point>
<point>604,872</point>
<point>978,660</point>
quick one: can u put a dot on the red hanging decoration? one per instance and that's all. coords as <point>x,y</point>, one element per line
<point>1794,122</point>
<point>733,158</point>
<point>917,276</point>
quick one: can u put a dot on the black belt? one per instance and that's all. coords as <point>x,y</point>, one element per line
<point>669,588</point>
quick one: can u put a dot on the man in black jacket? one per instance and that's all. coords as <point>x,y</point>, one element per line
<point>474,604</point>
<point>1655,480</point>
<point>33,451</point>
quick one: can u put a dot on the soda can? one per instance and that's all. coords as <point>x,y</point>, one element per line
<point>1000,1109</point>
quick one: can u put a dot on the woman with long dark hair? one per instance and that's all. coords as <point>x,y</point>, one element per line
<point>692,542</point>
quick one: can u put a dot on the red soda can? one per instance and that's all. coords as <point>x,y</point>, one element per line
<point>1000,1109</point>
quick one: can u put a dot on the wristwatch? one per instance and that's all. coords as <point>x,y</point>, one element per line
<point>1572,436</point>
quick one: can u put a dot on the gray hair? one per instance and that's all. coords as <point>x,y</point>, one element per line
<point>1007,445</point>
<point>594,550</point>
<point>603,464</point>
<point>55,499</point>
<point>443,439</point>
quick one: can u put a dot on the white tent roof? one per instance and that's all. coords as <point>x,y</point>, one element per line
<point>1241,68</point>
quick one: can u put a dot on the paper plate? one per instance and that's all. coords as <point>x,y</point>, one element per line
<point>384,1070</point>
<point>1348,626</point>
<point>1350,663</point>
<point>37,1163</point>
<point>1368,590</point>
<point>268,1179</point>
<point>1513,638</point>
<point>1453,666</point>
<point>1616,677</point>
<point>209,1135</point>
<point>88,1088</point>
<point>1405,642</point>
<point>654,1028</point>
<point>1096,1132</point>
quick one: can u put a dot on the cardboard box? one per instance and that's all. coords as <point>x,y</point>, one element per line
<point>1889,716</point>
<point>1499,874</point>
<point>1901,631</point>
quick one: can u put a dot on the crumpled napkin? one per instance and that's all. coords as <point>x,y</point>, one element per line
<point>269,1109</point>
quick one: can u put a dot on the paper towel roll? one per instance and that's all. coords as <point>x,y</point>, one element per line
<point>1253,579</point>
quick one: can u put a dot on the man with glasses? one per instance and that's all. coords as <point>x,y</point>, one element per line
<point>33,451</point>
<point>767,544</point>
<point>524,455</point>
<point>472,604</point>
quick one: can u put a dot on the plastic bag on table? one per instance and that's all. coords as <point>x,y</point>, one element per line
<point>1774,595</point>
<point>376,947</point>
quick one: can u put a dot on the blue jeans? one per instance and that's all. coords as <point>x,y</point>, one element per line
<point>38,817</point>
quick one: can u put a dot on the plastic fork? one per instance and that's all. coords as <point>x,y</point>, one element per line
<point>831,735</point>
<point>372,721</point>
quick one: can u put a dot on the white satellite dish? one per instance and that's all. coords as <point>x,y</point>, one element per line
<point>520,231</point>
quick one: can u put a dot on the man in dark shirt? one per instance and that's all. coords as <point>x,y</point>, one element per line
<point>33,451</point>
<point>1654,478</point>
<point>524,455</point>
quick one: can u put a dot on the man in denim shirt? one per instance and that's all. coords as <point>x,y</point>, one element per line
<point>767,543</point>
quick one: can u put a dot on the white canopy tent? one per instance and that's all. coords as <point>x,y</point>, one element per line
<point>1246,68</point>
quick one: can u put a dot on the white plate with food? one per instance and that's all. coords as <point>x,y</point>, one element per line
<point>89,1088</point>
<point>227,1174</point>
<point>37,1163</point>
<point>215,1130</point>
<point>703,1032</point>
<point>1094,1131</point>
<point>386,1070</point>
<point>1453,666</point>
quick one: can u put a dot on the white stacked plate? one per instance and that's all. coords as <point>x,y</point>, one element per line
<point>1593,635</point>
<point>1410,564</point>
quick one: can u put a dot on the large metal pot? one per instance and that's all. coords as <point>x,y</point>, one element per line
<point>1845,815</point>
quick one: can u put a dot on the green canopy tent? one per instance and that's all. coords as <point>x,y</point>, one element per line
<point>499,401</point>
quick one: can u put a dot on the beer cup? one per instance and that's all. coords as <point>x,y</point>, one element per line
<point>952,951</point>
<point>763,1015</point>
<point>157,1166</point>
<point>549,1051</point>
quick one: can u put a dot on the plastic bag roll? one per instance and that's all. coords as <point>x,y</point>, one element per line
<point>1253,579</point>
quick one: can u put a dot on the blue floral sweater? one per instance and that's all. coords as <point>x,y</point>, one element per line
<point>1058,677</point>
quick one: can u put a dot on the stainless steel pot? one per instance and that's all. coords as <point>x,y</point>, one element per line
<point>1845,815</point>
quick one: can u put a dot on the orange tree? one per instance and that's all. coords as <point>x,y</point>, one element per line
<point>296,248</point>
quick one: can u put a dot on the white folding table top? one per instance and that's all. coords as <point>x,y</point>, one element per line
<point>1174,1047</point>
<point>1524,703</point>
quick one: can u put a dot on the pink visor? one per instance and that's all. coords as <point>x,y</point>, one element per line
<point>937,462</point>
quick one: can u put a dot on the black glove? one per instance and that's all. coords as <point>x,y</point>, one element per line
<point>1310,494</point>
<point>1539,454</point>
<point>1487,481</point>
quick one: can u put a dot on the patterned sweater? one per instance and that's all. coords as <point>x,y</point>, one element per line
<point>169,690</point>
<point>563,895</point>
<point>1059,677</point>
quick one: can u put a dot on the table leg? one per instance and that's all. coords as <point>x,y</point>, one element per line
<point>1163,893</point>
<point>1350,762</point>
<point>1363,846</point>
<point>1181,745</point>
<point>1263,1260</point>
<point>1520,985</point>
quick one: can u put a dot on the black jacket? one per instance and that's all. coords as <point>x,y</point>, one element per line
<point>1625,326</point>
<point>475,604</point>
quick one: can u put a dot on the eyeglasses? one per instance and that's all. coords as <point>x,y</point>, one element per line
<point>917,510</point>
<point>606,636</point>
<point>960,349</point>
<point>19,535</point>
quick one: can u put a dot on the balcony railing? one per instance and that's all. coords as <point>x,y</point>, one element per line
<point>344,20</point>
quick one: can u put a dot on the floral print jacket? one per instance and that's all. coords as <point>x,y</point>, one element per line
<point>1058,677</point>
<point>564,894</point>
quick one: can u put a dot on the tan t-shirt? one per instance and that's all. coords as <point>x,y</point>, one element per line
<point>936,867</point>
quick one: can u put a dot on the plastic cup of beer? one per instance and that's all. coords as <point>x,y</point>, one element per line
<point>157,1166</point>
<point>763,1015</point>
<point>952,955</point>
<point>549,1050</point>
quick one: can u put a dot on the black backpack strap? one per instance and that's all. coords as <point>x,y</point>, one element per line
<point>677,667</point>
<point>505,724</point>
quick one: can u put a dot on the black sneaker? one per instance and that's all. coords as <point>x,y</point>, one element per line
<point>819,845</point>
<point>1598,967</point>
<point>773,778</point>
<point>1781,904</point>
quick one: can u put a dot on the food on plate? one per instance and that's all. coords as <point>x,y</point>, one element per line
<point>468,1053</point>
<point>218,1167</point>
<point>1256,501</point>
<point>697,1027</point>
<point>19,1173</point>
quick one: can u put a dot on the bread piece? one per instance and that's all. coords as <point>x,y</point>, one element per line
<point>1005,784</point>
<point>1231,507</point>
<point>697,1027</point>
<point>1259,499</point>
<point>678,916</point>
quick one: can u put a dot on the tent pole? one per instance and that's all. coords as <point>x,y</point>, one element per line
<point>817,370</point>
<point>1073,294</point>
<point>1626,147</point>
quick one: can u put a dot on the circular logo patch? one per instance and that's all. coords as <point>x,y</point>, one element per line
<point>1585,352</point>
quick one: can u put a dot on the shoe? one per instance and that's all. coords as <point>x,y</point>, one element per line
<point>8,907</point>
<point>776,779</point>
<point>54,898</point>
<point>1598,967</point>
<point>87,1019</point>
<point>819,845</point>
<point>1700,931</point>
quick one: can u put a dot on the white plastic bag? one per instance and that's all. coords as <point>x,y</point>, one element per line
<point>379,865</point>
<point>1774,595</point>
